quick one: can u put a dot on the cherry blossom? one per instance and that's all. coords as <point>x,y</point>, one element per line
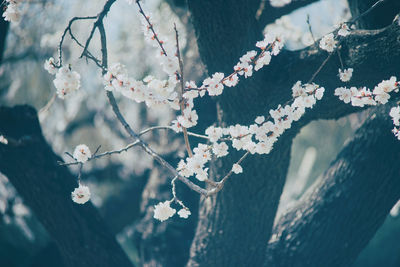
<point>82,153</point>
<point>81,194</point>
<point>163,211</point>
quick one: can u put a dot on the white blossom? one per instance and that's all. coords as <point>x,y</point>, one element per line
<point>236,168</point>
<point>184,213</point>
<point>163,211</point>
<point>231,80</point>
<point>344,30</point>
<point>328,43</point>
<point>220,149</point>
<point>12,12</point>
<point>81,194</point>
<point>346,74</point>
<point>3,140</point>
<point>82,153</point>
<point>49,65</point>
<point>214,133</point>
<point>395,114</point>
<point>66,81</point>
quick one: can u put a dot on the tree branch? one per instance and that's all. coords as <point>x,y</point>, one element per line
<point>332,223</point>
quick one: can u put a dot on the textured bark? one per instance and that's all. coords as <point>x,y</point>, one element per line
<point>164,243</point>
<point>234,224</point>
<point>380,17</point>
<point>31,166</point>
<point>335,220</point>
<point>240,217</point>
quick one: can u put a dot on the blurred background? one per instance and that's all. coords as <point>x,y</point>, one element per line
<point>86,117</point>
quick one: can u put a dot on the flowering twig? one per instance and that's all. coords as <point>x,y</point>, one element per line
<point>150,26</point>
<point>96,156</point>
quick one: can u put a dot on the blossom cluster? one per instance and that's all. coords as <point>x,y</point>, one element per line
<point>329,43</point>
<point>214,85</point>
<point>257,138</point>
<point>360,97</point>
<point>163,211</point>
<point>151,91</point>
<point>66,81</point>
<point>12,12</point>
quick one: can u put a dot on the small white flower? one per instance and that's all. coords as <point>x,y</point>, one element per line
<point>12,13</point>
<point>259,119</point>
<point>395,114</point>
<point>81,194</point>
<point>231,80</point>
<point>236,168</point>
<point>344,94</point>
<point>328,43</point>
<point>214,133</point>
<point>184,213</point>
<point>346,74</point>
<point>82,153</point>
<point>49,65</point>
<point>163,211</point>
<point>66,81</point>
<point>344,30</point>
<point>3,140</point>
<point>220,150</point>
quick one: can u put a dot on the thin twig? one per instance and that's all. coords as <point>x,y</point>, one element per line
<point>65,33</point>
<point>150,26</point>
<point>96,156</point>
<point>309,27</point>
<point>181,100</point>
<point>353,21</point>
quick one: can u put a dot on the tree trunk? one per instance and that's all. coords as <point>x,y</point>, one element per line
<point>335,220</point>
<point>32,167</point>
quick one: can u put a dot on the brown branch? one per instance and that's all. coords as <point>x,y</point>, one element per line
<point>79,231</point>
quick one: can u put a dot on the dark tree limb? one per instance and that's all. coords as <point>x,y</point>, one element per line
<point>380,17</point>
<point>32,167</point>
<point>334,222</point>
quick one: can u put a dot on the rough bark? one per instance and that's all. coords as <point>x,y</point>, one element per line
<point>164,243</point>
<point>335,220</point>
<point>380,17</point>
<point>239,218</point>
<point>32,167</point>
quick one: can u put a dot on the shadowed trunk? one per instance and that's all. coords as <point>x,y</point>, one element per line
<point>335,220</point>
<point>32,167</point>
